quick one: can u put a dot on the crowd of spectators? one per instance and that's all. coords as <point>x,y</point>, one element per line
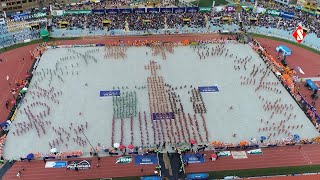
<point>156,21</point>
<point>159,20</point>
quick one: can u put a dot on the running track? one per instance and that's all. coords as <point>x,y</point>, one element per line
<point>273,157</point>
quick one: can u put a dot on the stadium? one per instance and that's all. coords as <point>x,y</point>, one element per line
<point>160,90</point>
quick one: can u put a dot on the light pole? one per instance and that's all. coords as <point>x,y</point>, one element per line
<point>95,152</point>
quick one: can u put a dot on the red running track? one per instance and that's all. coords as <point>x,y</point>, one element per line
<point>271,157</point>
<point>36,170</point>
<point>308,61</point>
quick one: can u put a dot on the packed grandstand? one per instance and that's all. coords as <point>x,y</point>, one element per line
<point>98,21</point>
<point>176,54</point>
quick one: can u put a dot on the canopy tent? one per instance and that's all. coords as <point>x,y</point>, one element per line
<point>284,49</point>
<point>44,34</point>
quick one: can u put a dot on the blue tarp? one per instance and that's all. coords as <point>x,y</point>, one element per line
<point>284,49</point>
<point>141,160</point>
<point>3,124</point>
<point>194,158</point>
<point>30,156</point>
<point>197,176</point>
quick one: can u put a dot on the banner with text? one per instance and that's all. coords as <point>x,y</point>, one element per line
<point>161,116</point>
<point>288,15</point>
<point>255,151</point>
<point>56,164</point>
<point>179,10</point>
<point>224,153</point>
<point>166,10</point>
<point>153,10</point>
<point>110,93</point>
<point>208,89</point>
<point>124,160</point>
<point>78,12</point>
<point>273,12</point>
<point>230,9</point>
<point>194,158</point>
<point>140,160</point>
<point>98,11</point>
<point>80,164</point>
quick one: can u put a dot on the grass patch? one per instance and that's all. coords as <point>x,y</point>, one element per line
<point>287,41</point>
<point>266,171</point>
<point>220,2</point>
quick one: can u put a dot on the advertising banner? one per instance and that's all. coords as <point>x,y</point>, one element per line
<point>80,164</point>
<point>124,160</point>
<point>56,164</point>
<point>224,153</point>
<point>139,10</point>
<point>288,15</point>
<point>208,89</point>
<point>160,116</point>
<point>98,11</point>
<point>166,10</point>
<point>125,11</point>
<point>140,160</point>
<point>153,10</point>
<point>2,21</point>
<point>205,9</point>
<point>255,151</point>
<point>239,155</point>
<point>78,12</point>
<point>22,16</point>
<point>110,93</point>
<point>192,9</point>
<point>230,9</point>
<point>273,12</point>
<point>39,15</point>
<point>112,11</point>
<point>179,10</point>
<point>57,12</point>
<point>193,158</point>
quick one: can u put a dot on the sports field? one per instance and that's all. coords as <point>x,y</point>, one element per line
<point>63,102</point>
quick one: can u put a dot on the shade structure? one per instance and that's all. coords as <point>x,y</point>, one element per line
<point>130,146</point>
<point>53,150</point>
<point>296,136</point>
<point>122,147</point>
<point>192,141</point>
<point>116,145</point>
<point>263,138</point>
<point>213,155</point>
